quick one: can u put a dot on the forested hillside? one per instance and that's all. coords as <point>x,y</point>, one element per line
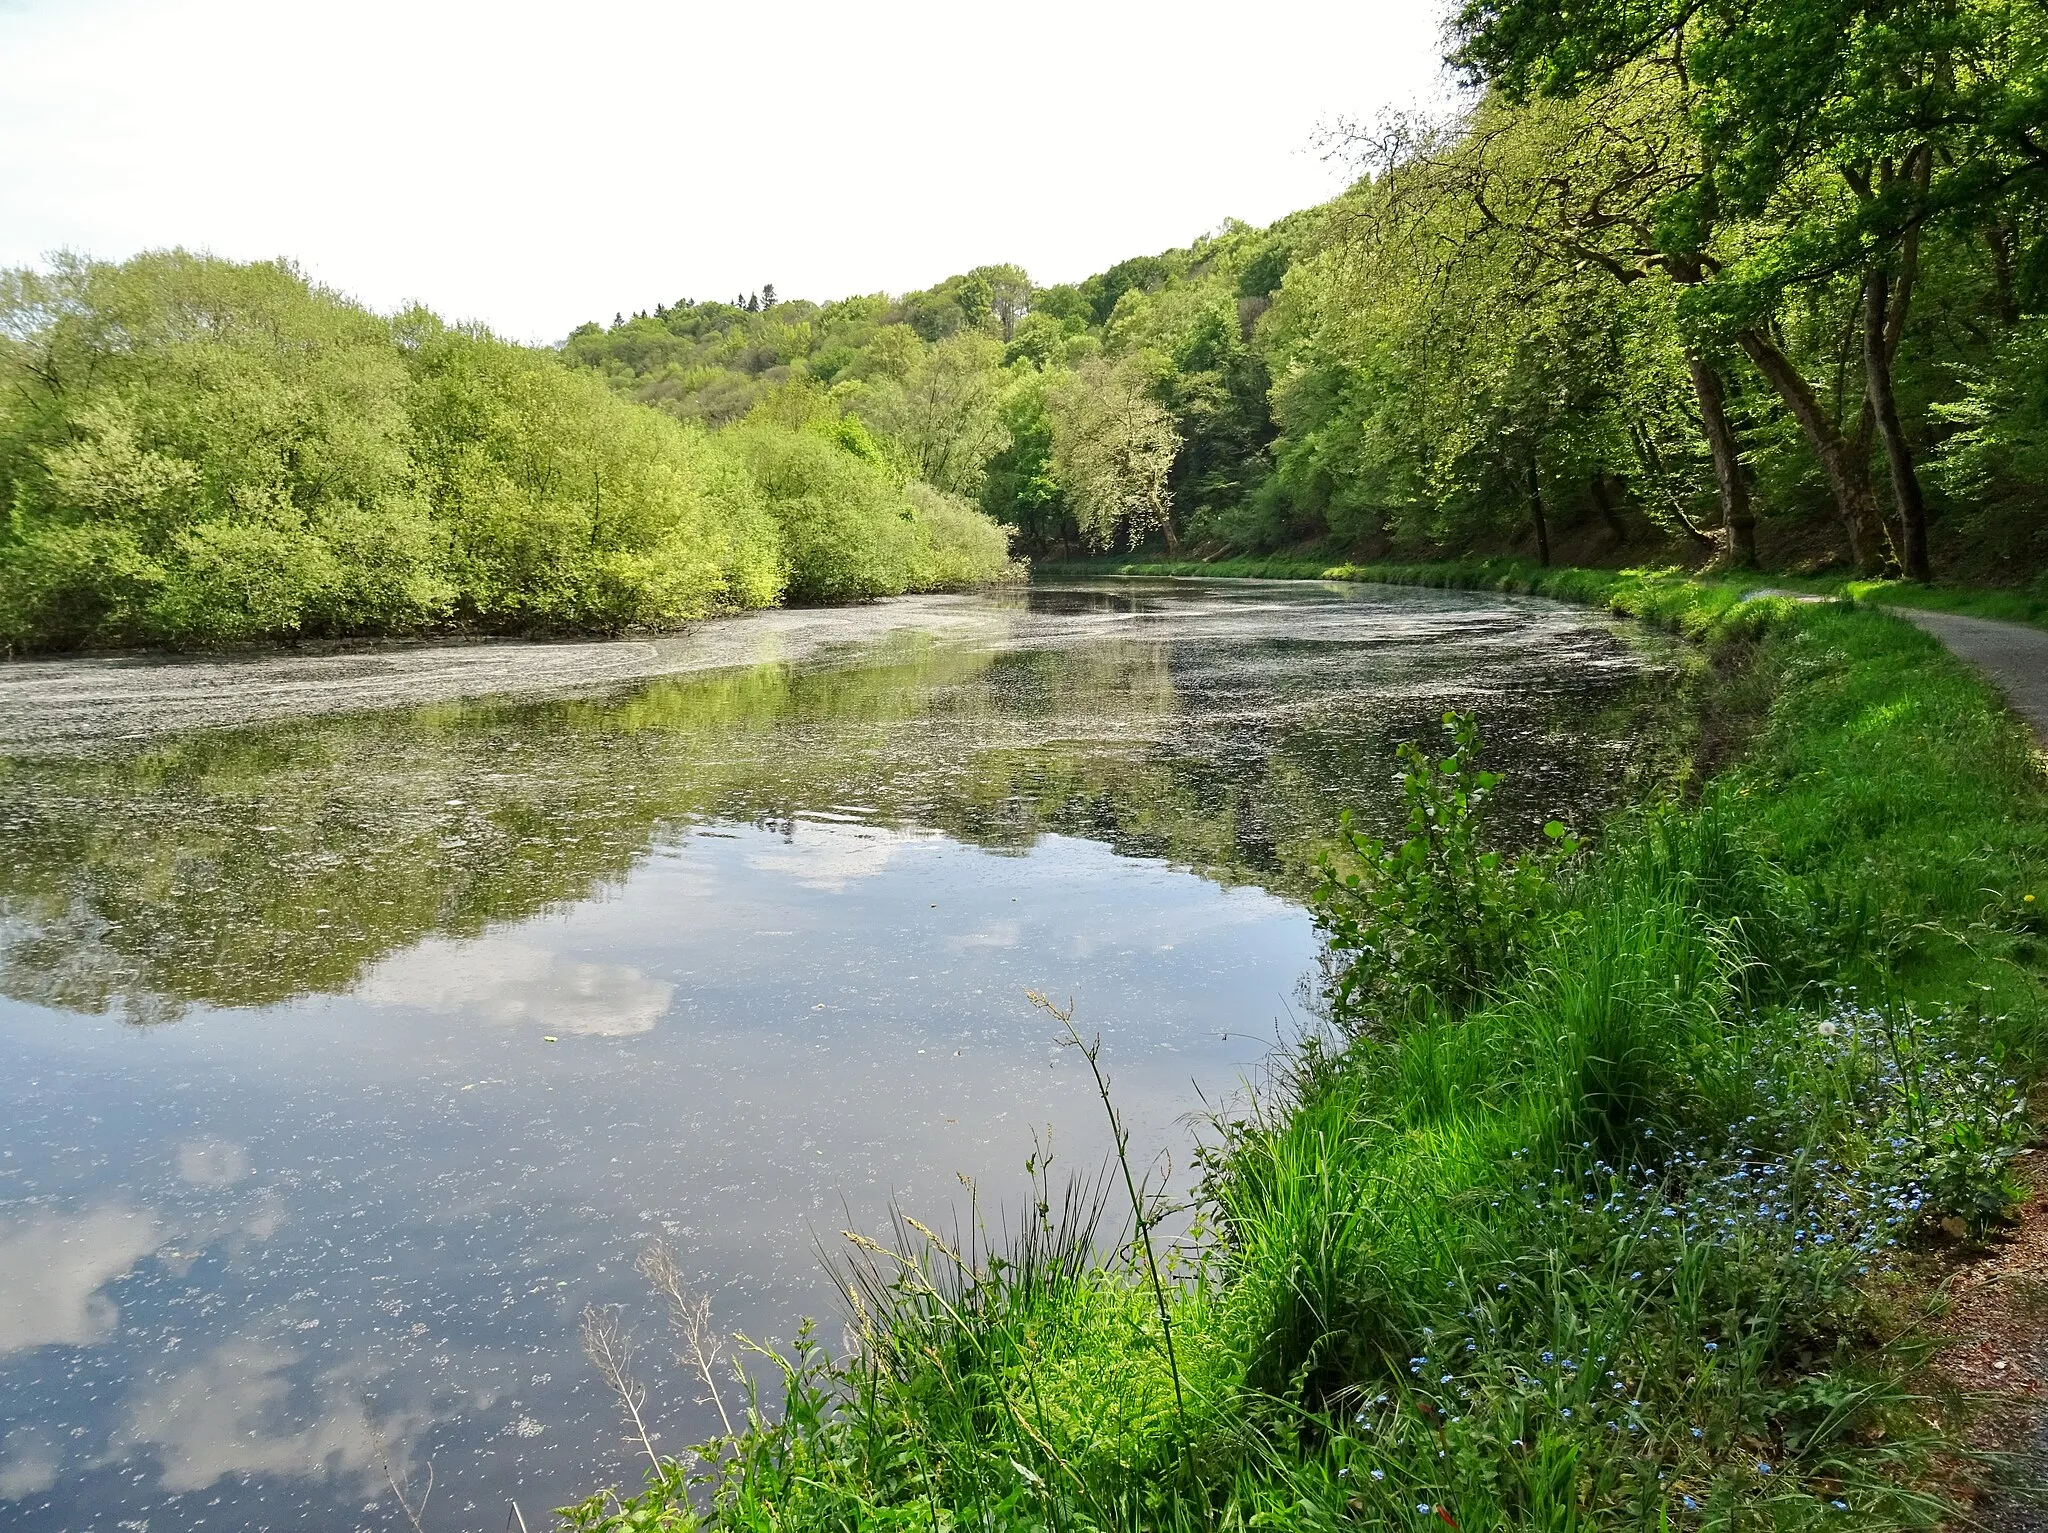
<point>193,450</point>
<point>1685,288</point>
<point>1133,405</point>
<point>1691,284</point>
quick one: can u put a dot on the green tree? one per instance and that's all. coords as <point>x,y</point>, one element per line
<point>1113,447</point>
<point>1009,296</point>
<point>1578,186</point>
<point>1835,131</point>
<point>571,508</point>
<point>945,410</point>
<point>1216,391</point>
<point>1022,489</point>
<point>194,449</point>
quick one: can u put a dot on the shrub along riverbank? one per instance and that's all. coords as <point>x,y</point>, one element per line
<point>1608,1198</point>
<point>197,451</point>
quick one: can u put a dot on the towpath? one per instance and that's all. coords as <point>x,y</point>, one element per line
<point>2001,1348</point>
<point>2011,654</point>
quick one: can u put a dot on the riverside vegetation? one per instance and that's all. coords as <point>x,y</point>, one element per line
<point>1606,1199</point>
<point>1661,281</point>
<point>193,450</point>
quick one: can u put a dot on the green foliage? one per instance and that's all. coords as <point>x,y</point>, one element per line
<point>965,381</point>
<point>1827,160</point>
<point>852,525</point>
<point>192,449</point>
<point>195,451</point>
<point>1140,274</point>
<point>844,522</point>
<point>1021,489</point>
<point>1439,919</point>
<point>1953,1123</point>
<point>1113,448</point>
<point>954,545</point>
<point>1997,459</point>
<point>944,411</point>
<point>570,508</point>
<point>1525,324</point>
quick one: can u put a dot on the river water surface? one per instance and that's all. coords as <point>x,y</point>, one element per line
<point>364,1015</point>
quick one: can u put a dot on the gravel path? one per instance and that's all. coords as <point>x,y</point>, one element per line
<point>2012,655</point>
<point>2004,1348</point>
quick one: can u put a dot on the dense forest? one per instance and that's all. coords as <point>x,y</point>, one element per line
<point>1698,284</point>
<point>1697,288</point>
<point>193,450</point>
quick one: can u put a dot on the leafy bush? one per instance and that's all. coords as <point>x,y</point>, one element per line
<point>1939,1119</point>
<point>854,523</point>
<point>197,451</point>
<point>569,507</point>
<point>955,544</point>
<point>1437,919</point>
<point>846,526</point>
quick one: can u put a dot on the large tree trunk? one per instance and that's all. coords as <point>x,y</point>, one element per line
<point>1602,487</point>
<point>1846,462</point>
<point>1898,453</point>
<point>1536,512</point>
<point>1737,519</point>
<point>2004,291</point>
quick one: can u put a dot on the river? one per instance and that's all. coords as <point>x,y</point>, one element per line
<point>364,1013</point>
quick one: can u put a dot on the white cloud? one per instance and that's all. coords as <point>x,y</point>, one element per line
<point>830,856</point>
<point>495,979</point>
<point>212,1163</point>
<point>232,1412</point>
<point>29,1462</point>
<point>270,1215</point>
<point>52,1267</point>
<point>536,165</point>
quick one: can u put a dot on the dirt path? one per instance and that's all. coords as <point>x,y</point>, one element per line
<point>1998,1350</point>
<point>2012,655</point>
<point>1999,1302</point>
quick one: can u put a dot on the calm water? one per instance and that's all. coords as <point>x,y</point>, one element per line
<point>345,1059</point>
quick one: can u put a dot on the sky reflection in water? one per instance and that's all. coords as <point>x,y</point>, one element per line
<point>290,1175</point>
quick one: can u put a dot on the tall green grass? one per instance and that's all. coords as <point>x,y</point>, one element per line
<point>1628,1237</point>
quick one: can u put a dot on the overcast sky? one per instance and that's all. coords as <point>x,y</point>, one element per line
<point>534,166</point>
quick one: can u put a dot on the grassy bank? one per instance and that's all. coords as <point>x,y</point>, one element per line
<point>1607,1200</point>
<point>1703,593</point>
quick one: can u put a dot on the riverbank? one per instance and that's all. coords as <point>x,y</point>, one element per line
<point>1635,1226</point>
<point>1576,583</point>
